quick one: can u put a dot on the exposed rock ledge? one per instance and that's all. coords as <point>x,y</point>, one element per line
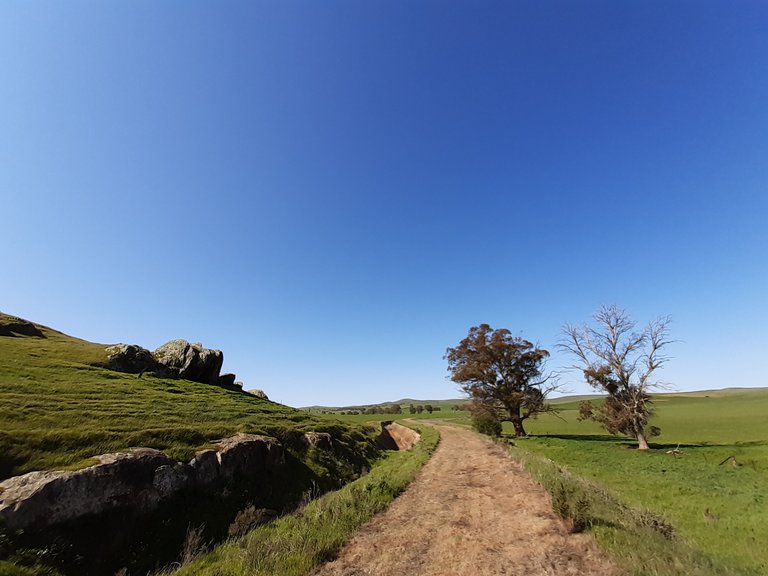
<point>137,480</point>
<point>395,436</point>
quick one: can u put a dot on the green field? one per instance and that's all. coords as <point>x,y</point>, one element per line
<point>719,512</point>
<point>720,509</point>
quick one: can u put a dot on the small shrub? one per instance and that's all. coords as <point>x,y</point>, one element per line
<point>485,420</point>
<point>248,519</point>
<point>193,545</point>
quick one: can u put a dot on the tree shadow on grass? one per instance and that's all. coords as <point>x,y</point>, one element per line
<point>585,437</point>
<point>618,440</point>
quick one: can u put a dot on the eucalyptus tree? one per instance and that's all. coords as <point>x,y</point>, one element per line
<point>503,372</point>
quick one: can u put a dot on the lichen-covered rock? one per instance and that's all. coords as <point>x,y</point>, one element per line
<point>40,499</point>
<point>245,455</point>
<point>170,479</point>
<point>205,467</point>
<point>190,361</point>
<point>258,393</point>
<point>136,481</point>
<point>130,358</point>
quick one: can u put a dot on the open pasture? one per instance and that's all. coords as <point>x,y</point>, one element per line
<point>707,474</point>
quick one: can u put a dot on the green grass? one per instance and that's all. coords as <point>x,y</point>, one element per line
<point>295,544</point>
<point>720,512</point>
<point>447,416</point>
<point>59,407</point>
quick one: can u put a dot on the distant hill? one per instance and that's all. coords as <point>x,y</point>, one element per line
<point>562,401</point>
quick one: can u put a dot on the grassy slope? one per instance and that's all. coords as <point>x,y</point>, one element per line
<point>720,510</point>
<point>59,406</point>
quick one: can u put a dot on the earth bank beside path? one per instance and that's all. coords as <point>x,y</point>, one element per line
<point>472,510</point>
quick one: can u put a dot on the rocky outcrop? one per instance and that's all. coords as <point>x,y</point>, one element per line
<point>190,361</point>
<point>174,359</point>
<point>13,326</point>
<point>136,481</point>
<point>248,454</point>
<point>395,436</point>
<point>130,358</point>
<point>258,393</point>
<point>227,380</point>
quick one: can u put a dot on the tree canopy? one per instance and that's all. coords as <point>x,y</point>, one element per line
<point>502,371</point>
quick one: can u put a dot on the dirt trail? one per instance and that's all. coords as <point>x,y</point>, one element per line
<point>472,510</point>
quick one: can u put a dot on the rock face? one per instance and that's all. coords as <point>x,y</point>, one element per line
<point>258,393</point>
<point>248,454</point>
<point>190,361</point>
<point>137,481</point>
<point>41,499</point>
<point>394,436</point>
<point>174,359</point>
<point>227,380</point>
<point>130,358</point>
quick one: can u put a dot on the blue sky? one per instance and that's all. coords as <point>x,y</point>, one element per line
<point>333,192</point>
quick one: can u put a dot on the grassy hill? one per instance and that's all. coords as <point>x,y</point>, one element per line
<point>60,406</point>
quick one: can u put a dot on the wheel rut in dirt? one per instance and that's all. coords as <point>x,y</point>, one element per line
<point>472,510</point>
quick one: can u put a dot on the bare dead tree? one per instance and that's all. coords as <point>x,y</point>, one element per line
<point>618,359</point>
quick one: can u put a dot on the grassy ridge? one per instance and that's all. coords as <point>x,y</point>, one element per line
<point>59,407</point>
<point>295,544</point>
<point>718,510</point>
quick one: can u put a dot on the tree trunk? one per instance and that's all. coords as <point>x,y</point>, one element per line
<point>642,443</point>
<point>517,424</point>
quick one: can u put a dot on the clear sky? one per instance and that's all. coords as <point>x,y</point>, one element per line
<point>333,192</point>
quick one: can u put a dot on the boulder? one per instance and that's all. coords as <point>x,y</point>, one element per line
<point>135,481</point>
<point>227,380</point>
<point>41,499</point>
<point>204,467</point>
<point>130,358</point>
<point>244,455</point>
<point>258,393</point>
<point>170,479</point>
<point>190,361</point>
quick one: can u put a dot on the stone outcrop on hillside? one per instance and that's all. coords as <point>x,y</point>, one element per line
<point>174,359</point>
<point>14,326</point>
<point>136,481</point>
<point>190,361</point>
<point>130,358</point>
<point>395,436</point>
<point>258,393</point>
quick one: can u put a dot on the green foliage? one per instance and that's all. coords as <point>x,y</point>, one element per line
<point>485,419</point>
<point>679,489</point>
<point>294,545</point>
<point>494,367</point>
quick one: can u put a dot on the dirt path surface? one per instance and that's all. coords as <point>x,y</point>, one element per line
<point>472,510</point>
